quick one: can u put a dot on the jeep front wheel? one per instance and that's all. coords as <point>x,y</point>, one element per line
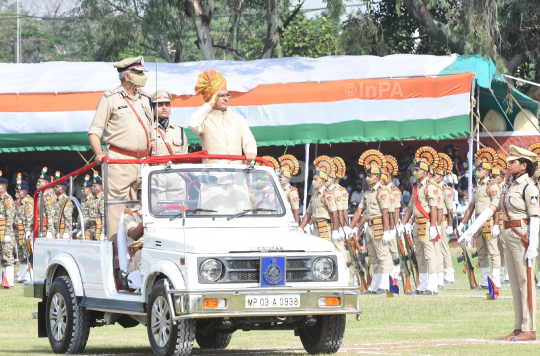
<point>326,336</point>
<point>166,338</point>
<point>68,325</point>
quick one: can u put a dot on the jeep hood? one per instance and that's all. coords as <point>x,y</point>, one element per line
<point>252,240</point>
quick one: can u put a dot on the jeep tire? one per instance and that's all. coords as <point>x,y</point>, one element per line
<point>167,339</point>
<point>326,336</point>
<point>214,340</point>
<point>67,323</point>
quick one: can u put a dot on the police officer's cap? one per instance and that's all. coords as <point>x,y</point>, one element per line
<point>22,185</point>
<point>517,153</point>
<point>136,63</point>
<point>64,183</point>
<point>97,181</point>
<point>45,176</point>
<point>87,184</point>
<point>497,172</point>
<point>3,180</point>
<point>162,96</point>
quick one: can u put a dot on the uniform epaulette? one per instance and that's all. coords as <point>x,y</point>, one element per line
<point>111,92</point>
<point>128,211</point>
<point>145,94</point>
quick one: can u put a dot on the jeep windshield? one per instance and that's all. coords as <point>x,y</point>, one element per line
<point>214,192</point>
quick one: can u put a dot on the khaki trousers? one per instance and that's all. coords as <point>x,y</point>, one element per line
<point>135,263</point>
<point>339,245</point>
<point>517,273</point>
<point>426,253</point>
<point>445,249</point>
<point>120,178</point>
<point>500,245</point>
<point>379,253</point>
<point>485,249</point>
<point>392,246</point>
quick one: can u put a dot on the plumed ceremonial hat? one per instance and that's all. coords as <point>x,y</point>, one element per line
<point>272,161</point>
<point>161,96</point>
<point>136,63</point>
<point>96,179</point>
<point>45,176</point>
<point>535,148</point>
<point>391,165</point>
<point>373,161</point>
<point>341,167</point>
<point>87,183</point>
<point>497,172</point>
<point>518,152</point>
<point>486,155</point>
<point>445,164</point>
<point>21,184</point>
<point>501,162</point>
<point>384,174</point>
<point>57,176</point>
<point>426,158</point>
<point>324,166</point>
<point>209,83</point>
<point>289,165</point>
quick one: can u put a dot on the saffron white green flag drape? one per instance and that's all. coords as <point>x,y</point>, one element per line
<point>50,106</point>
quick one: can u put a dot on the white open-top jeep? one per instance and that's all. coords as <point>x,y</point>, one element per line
<point>221,253</point>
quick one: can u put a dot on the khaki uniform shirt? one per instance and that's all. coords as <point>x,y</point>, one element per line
<point>427,199</point>
<point>176,138</point>
<point>344,203</point>
<point>118,124</point>
<point>322,204</point>
<point>395,197</point>
<point>374,200</point>
<point>132,220</point>
<point>224,133</point>
<point>25,213</point>
<point>292,197</point>
<point>447,197</point>
<point>486,193</point>
<point>7,212</point>
<point>520,206</point>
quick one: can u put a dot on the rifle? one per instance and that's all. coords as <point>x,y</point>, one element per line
<point>355,262</point>
<point>405,273</point>
<point>362,257</point>
<point>412,258</point>
<point>468,267</point>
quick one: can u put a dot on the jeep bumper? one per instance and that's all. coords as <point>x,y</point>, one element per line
<point>33,289</point>
<point>190,304</point>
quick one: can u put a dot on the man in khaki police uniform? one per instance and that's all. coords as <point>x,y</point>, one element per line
<point>497,175</point>
<point>289,167</point>
<point>124,118</point>
<point>376,203</point>
<point>172,139</point>
<point>445,271</point>
<point>487,193</point>
<point>24,221</point>
<point>220,130</point>
<point>423,206</point>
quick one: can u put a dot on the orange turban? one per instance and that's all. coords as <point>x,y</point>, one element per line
<point>210,82</point>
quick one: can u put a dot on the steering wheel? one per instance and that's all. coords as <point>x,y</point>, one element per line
<point>265,204</point>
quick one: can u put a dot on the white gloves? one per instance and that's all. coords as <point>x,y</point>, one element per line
<point>342,234</point>
<point>495,231</point>
<point>347,230</point>
<point>65,236</point>
<point>28,234</point>
<point>466,237</point>
<point>532,250</point>
<point>308,229</point>
<point>364,228</point>
<point>7,239</point>
<point>408,228</point>
<point>460,228</point>
<point>79,234</point>
<point>387,237</point>
<point>449,230</point>
<point>300,230</point>
<point>354,231</point>
<point>335,236</point>
<point>403,241</point>
<point>400,228</point>
<point>432,232</point>
<point>48,235</point>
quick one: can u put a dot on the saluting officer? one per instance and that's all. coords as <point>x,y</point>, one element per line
<point>172,139</point>
<point>376,203</point>
<point>519,202</point>
<point>97,209</point>
<point>424,206</point>
<point>65,228</point>
<point>290,167</point>
<point>7,213</point>
<point>487,193</point>
<point>124,118</point>
<point>24,221</point>
<point>445,272</point>
<point>85,205</point>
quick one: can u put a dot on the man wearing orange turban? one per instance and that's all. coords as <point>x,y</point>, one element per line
<point>220,130</point>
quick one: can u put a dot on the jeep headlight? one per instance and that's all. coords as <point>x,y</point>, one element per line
<point>211,270</point>
<point>323,268</point>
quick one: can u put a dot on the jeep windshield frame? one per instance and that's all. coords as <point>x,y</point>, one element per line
<point>225,191</point>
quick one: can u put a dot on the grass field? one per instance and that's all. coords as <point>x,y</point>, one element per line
<point>457,322</point>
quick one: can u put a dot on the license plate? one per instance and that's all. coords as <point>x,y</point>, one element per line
<point>273,301</point>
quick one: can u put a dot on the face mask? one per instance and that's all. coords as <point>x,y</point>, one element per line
<point>57,190</point>
<point>479,175</point>
<point>349,189</point>
<point>418,175</point>
<point>17,195</point>
<point>358,189</point>
<point>371,181</point>
<point>466,175</point>
<point>139,80</point>
<point>537,173</point>
<point>361,175</point>
<point>39,185</point>
<point>327,183</point>
<point>345,177</point>
<point>316,184</point>
<point>95,191</point>
<point>281,181</point>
